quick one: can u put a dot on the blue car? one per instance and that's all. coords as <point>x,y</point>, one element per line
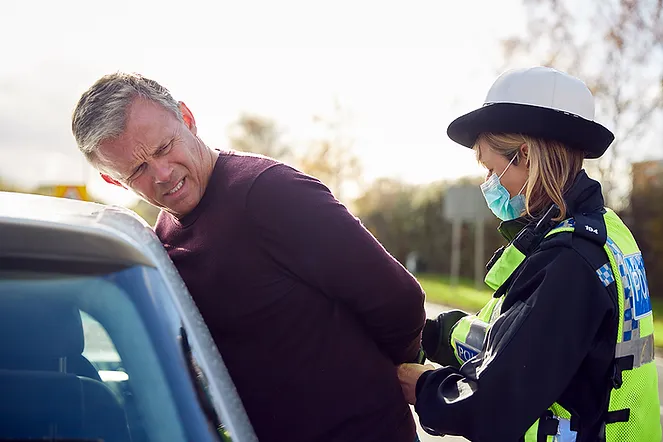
<point>99,337</point>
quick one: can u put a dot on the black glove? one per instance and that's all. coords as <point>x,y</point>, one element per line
<point>436,338</point>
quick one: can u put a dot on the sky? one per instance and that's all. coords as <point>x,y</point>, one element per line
<point>403,71</point>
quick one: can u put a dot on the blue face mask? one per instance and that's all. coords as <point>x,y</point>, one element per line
<point>499,200</point>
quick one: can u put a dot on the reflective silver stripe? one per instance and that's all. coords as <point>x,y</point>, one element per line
<point>477,334</point>
<point>564,432</point>
<point>642,350</point>
<point>496,310</point>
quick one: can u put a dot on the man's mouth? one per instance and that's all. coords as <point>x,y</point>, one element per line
<point>177,187</point>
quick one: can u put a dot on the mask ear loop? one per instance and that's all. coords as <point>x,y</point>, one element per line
<point>507,166</point>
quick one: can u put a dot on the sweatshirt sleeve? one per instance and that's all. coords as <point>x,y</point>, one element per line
<point>315,237</point>
<point>530,356</point>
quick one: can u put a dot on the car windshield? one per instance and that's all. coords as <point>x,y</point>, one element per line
<point>94,357</point>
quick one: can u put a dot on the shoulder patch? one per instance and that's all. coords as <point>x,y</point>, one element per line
<point>638,286</point>
<point>591,227</point>
<point>605,275</point>
<point>637,302</point>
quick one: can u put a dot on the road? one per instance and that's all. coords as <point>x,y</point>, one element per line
<point>433,310</point>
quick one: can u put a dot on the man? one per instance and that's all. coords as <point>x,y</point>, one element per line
<point>310,313</point>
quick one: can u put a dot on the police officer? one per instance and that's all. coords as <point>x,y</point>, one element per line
<point>564,350</point>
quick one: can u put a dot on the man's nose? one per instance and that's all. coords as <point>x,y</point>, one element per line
<point>162,171</point>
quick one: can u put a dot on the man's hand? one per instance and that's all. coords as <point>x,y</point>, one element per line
<point>408,375</point>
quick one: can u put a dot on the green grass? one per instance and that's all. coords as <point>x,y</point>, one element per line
<point>466,297</point>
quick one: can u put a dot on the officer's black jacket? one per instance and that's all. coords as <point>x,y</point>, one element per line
<point>554,342</point>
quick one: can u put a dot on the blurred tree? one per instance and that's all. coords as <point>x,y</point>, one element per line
<point>258,134</point>
<point>331,157</point>
<point>407,218</point>
<point>328,156</point>
<point>616,47</point>
<point>386,209</point>
<point>645,219</point>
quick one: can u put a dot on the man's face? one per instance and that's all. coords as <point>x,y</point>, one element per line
<point>159,157</point>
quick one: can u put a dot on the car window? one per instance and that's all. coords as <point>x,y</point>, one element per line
<point>102,354</point>
<point>100,350</point>
<point>84,357</point>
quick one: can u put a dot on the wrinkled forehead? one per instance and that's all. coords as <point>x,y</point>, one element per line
<point>147,126</point>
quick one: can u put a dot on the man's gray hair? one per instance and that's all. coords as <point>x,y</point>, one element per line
<point>101,111</point>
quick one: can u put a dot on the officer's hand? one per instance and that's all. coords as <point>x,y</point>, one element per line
<point>436,337</point>
<point>408,375</point>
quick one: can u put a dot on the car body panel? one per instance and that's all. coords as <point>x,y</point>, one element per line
<point>57,231</point>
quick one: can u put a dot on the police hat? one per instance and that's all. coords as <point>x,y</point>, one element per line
<point>540,102</point>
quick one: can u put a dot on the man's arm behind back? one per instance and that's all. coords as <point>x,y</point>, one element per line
<point>315,237</point>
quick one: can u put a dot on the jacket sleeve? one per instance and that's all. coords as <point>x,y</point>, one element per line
<point>316,238</point>
<point>530,355</point>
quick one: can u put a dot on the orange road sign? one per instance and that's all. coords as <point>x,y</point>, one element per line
<point>71,192</point>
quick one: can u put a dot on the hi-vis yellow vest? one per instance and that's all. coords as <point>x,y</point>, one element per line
<point>634,409</point>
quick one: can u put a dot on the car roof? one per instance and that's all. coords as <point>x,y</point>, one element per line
<point>44,227</point>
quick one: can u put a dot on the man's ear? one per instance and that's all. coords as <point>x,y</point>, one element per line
<point>110,180</point>
<point>188,118</point>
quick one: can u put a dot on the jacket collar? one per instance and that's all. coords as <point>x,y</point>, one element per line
<point>584,196</point>
<point>510,229</point>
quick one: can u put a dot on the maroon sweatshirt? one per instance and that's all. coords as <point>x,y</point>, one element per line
<point>310,313</point>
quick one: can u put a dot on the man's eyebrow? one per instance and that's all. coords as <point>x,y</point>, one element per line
<point>165,143</point>
<point>162,145</point>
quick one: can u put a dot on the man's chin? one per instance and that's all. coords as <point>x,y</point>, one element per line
<point>178,210</point>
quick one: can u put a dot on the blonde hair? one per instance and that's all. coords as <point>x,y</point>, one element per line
<point>552,168</point>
